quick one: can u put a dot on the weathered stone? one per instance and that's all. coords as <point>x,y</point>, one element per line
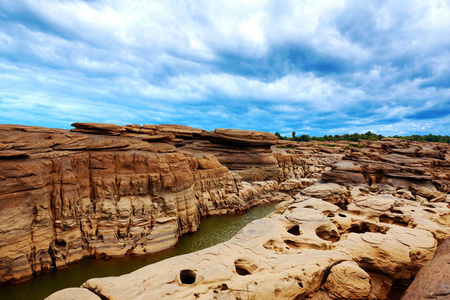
<point>330,192</point>
<point>100,128</point>
<point>348,281</point>
<point>297,252</point>
<point>102,196</point>
<point>433,280</point>
<point>370,221</point>
<point>73,294</point>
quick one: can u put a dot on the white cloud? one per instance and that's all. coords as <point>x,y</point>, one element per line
<point>177,60</point>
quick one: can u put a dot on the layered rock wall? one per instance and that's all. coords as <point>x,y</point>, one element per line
<point>394,162</point>
<point>303,162</point>
<point>68,195</point>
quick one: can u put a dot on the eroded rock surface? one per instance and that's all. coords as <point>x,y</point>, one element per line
<point>308,248</point>
<point>433,280</point>
<point>357,221</point>
<point>105,190</point>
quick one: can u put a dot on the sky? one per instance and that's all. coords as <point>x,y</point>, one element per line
<point>313,67</point>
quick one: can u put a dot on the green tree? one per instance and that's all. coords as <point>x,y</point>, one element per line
<point>305,138</point>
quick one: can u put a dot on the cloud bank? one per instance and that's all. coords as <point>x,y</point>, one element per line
<point>314,67</point>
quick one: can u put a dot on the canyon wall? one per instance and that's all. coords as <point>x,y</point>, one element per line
<point>365,219</point>
<point>102,191</point>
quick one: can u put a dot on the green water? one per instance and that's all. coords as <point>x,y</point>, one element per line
<point>213,230</point>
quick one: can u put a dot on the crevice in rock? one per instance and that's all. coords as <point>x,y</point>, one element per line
<point>393,220</point>
<point>52,257</point>
<point>103,297</point>
<point>293,244</point>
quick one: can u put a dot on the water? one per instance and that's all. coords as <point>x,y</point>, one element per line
<point>212,231</point>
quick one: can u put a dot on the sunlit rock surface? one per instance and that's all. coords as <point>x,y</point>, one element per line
<point>104,190</point>
<point>433,280</point>
<point>307,248</point>
<point>356,221</point>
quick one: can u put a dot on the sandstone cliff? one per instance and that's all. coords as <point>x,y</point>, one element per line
<point>105,190</point>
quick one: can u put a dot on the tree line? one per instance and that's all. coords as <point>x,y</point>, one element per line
<point>365,136</point>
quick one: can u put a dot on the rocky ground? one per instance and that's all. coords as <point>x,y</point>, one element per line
<point>357,221</point>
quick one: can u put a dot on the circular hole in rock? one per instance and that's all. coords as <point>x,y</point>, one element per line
<point>294,230</point>
<point>242,271</point>
<point>187,276</point>
<point>327,234</point>
<point>244,267</point>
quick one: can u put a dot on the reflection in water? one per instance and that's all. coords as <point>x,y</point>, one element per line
<point>213,230</point>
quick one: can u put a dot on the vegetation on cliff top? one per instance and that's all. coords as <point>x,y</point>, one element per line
<point>366,136</point>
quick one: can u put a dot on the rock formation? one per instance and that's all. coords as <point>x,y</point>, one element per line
<point>359,222</point>
<point>106,190</point>
<point>433,280</point>
<point>307,248</point>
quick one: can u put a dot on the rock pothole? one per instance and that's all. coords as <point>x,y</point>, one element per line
<point>188,276</point>
<point>327,234</point>
<point>294,230</point>
<point>244,267</point>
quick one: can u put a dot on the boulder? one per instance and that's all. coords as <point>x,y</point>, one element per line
<point>98,128</point>
<point>348,281</point>
<point>433,280</point>
<point>331,192</point>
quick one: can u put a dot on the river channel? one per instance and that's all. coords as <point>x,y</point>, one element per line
<point>212,231</point>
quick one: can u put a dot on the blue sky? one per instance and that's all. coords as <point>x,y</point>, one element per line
<point>314,67</point>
